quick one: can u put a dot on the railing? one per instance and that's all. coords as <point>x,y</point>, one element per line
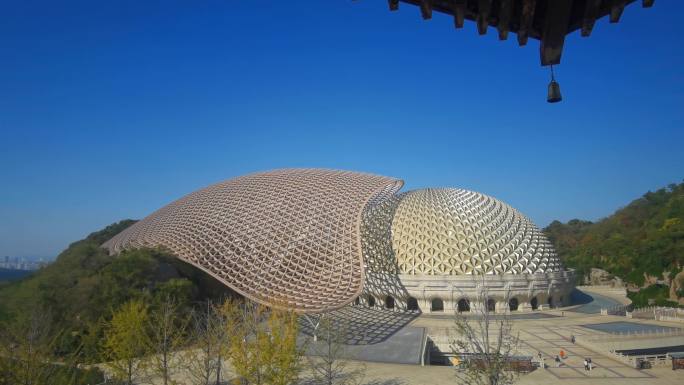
<point>652,333</point>
<point>636,361</point>
<point>658,313</point>
<point>617,310</point>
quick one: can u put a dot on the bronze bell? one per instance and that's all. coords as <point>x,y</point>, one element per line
<point>554,95</point>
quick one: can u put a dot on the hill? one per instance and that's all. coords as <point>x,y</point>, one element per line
<point>645,238</point>
<point>84,284</point>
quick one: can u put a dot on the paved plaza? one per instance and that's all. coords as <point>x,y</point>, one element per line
<point>388,351</point>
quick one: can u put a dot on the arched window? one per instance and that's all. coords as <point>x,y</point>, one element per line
<point>437,305</point>
<point>371,301</point>
<point>513,304</point>
<point>491,305</point>
<point>550,301</point>
<point>389,302</point>
<point>534,303</point>
<point>463,305</point>
<point>412,304</point>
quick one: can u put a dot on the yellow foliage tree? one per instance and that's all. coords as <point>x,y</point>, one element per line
<point>167,326</point>
<point>127,341</point>
<point>263,345</point>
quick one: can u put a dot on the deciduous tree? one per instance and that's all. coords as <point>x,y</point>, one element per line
<point>127,341</point>
<point>485,342</point>
<point>328,356</point>
<point>167,328</point>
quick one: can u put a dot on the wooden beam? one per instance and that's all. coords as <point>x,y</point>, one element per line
<point>526,18</point>
<point>591,12</point>
<point>616,10</point>
<point>483,7</point>
<point>426,9</point>
<point>555,27</point>
<point>393,5</point>
<point>503,24</point>
<point>647,3</point>
<point>459,12</point>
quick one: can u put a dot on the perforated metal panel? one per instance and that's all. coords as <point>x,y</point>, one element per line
<point>285,238</point>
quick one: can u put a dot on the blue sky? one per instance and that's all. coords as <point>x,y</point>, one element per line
<point>109,110</point>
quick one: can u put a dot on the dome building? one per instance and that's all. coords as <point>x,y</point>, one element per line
<point>450,246</point>
<point>315,240</point>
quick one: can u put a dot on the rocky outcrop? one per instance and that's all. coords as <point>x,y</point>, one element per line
<point>677,288</point>
<point>600,277</point>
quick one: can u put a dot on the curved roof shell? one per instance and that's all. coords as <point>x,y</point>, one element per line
<point>287,238</point>
<point>454,231</point>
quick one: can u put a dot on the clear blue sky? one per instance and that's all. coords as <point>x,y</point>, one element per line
<point>111,109</point>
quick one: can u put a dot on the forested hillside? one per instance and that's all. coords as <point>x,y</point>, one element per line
<point>84,284</point>
<point>646,236</point>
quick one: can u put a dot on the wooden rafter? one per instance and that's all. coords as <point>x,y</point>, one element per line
<point>426,9</point>
<point>545,20</point>
<point>591,12</point>
<point>505,10</point>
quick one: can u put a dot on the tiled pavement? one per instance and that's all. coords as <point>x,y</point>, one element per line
<point>549,336</point>
<point>551,340</point>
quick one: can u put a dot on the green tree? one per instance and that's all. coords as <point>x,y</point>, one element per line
<point>26,350</point>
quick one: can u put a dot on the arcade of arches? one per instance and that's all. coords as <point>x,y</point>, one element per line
<point>437,304</point>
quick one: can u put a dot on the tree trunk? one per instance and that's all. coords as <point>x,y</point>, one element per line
<point>130,372</point>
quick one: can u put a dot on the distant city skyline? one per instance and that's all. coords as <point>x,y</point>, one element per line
<point>111,110</point>
<point>23,262</point>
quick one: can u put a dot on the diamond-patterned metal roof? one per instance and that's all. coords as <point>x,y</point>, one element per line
<point>285,238</point>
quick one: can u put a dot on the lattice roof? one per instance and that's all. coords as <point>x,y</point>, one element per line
<point>455,231</point>
<point>284,238</point>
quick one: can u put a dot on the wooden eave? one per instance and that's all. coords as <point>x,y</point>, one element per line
<point>548,21</point>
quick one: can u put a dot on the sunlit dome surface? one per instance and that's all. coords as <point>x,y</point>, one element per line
<point>454,231</point>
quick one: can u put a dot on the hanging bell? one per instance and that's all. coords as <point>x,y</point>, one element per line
<point>554,95</point>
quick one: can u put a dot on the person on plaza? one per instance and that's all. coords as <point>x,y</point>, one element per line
<point>558,362</point>
<point>586,364</point>
<point>589,363</point>
<point>562,354</point>
<point>572,338</point>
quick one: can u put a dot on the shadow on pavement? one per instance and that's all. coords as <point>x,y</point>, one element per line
<point>364,326</point>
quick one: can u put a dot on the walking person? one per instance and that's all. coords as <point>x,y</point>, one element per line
<point>572,338</point>
<point>589,363</point>
<point>586,364</point>
<point>558,362</point>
